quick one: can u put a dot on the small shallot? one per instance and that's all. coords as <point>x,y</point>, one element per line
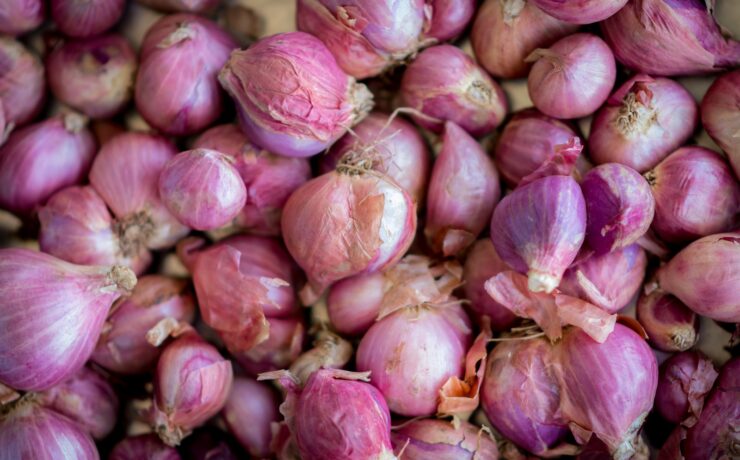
<point>481,264</point>
<point>580,11</point>
<point>250,410</point>
<point>88,18</point>
<point>505,32</point>
<point>143,446</point>
<point>642,122</point>
<point>22,82</point>
<point>277,351</point>
<point>431,439</point>
<point>20,16</point>
<point>446,19</point>
<point>669,324</point>
<point>354,303</point>
<point>685,380</point>
<point>446,84</point>
<point>573,77</point>
<point>292,97</point>
<point>720,116</point>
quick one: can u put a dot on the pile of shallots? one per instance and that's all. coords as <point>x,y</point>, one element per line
<point>340,242</point>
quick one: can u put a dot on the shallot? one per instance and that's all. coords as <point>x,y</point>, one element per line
<point>669,324</point>
<point>20,16</point>
<point>22,82</point>
<point>481,264</point>
<point>580,11</point>
<point>249,411</point>
<point>720,116</point>
<point>431,439</point>
<point>88,18</point>
<point>147,446</point>
<point>446,19</point>
<point>685,380</point>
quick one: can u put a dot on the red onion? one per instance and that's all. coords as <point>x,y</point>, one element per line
<point>607,388</point>
<point>445,83</point>
<point>446,19</point>
<point>412,352</point>
<point>122,347</point>
<point>619,206</point>
<point>715,434</point>
<point>521,394</point>
<point>29,430</point>
<point>20,16</point>
<point>250,410</point>
<point>580,11</point>
<point>95,76</point>
<point>430,439</point>
<point>338,415</point>
<point>354,303</point>
<point>202,188</point>
<point>22,82</point>
<point>505,32</point>
<point>125,174</point>
<point>77,227</point>
<point>363,223</point>
<point>463,190</point>
<point>532,141</point>
<point>573,77</point>
<point>366,39</point>
<point>642,122</point>
<point>176,93</point>
<point>88,399</point>
<point>42,158</point>
<point>278,350</point>
<point>696,195</point>
<point>185,6</point>
<point>269,178</point>
<point>144,446</point>
<point>292,97</point>
<point>670,38</point>
<point>87,18</point>
<point>52,312</point>
<point>539,228</point>
<point>685,380</point>
<point>608,281</point>
<point>720,116</point>
<point>393,146</point>
<point>669,324</point>
<point>191,384</point>
<point>481,264</point>
<point>706,276</point>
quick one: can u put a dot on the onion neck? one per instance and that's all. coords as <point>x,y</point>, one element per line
<point>123,278</point>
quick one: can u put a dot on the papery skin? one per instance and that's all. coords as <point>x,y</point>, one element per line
<point>366,39</point>
<point>95,75</point>
<point>463,190</point>
<point>696,194</point>
<point>705,276</point>
<point>521,394</point>
<point>395,147</point>
<point>573,77</point>
<point>505,32</point>
<point>412,352</point>
<point>482,263</point>
<point>619,205</point>
<point>51,313</point>
<point>76,226</point>
<point>720,116</point>
<point>125,174</point>
<point>20,16</point>
<point>22,82</point>
<point>642,122</point>
<point>539,228</point>
<point>363,223</point>
<point>184,6</point>
<point>32,431</point>
<point>447,19</point>
<point>670,325</point>
<point>278,350</point>
<point>338,415</point>
<point>608,281</point>
<point>42,158</point>
<point>670,38</point>
<point>580,11</point>
<point>146,446</point>
<point>354,303</point>
<point>88,399</point>
<point>202,188</point>
<point>529,140</point>
<point>86,19</point>
<point>685,380</point>
<point>445,83</point>
<point>177,91</point>
<point>715,434</point>
<point>251,408</point>
<point>431,439</point>
<point>191,384</point>
<point>291,96</point>
<point>270,179</point>
<point>122,347</point>
<point>608,388</point>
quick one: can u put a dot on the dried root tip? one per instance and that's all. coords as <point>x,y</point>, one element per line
<point>123,278</point>
<point>684,339</point>
<point>74,122</point>
<point>165,328</point>
<point>542,282</point>
<point>171,435</point>
<point>362,100</point>
<point>183,32</point>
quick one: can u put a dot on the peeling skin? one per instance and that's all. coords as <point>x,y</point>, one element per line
<point>637,114</point>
